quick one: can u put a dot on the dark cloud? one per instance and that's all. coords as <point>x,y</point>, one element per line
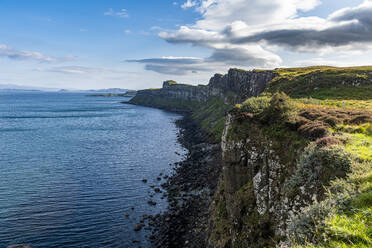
<point>247,57</point>
<point>240,57</point>
<point>170,60</point>
<point>173,65</point>
<point>345,27</point>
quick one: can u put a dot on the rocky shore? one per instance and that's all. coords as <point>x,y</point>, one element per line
<point>189,191</point>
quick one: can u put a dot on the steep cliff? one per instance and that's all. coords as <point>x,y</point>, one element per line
<point>283,160</point>
<point>297,169</point>
<point>208,103</point>
<point>234,87</point>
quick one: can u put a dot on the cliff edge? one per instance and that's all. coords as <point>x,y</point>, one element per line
<point>296,148</point>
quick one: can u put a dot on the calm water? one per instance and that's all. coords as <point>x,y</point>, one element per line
<point>71,168</point>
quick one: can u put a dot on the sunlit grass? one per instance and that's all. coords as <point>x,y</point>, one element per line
<point>359,139</point>
<point>355,104</point>
<point>353,229</point>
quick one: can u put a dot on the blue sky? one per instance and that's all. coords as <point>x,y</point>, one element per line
<point>139,44</point>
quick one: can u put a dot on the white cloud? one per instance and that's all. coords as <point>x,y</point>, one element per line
<point>249,33</point>
<point>76,69</point>
<point>216,14</point>
<point>189,4</point>
<point>127,31</point>
<point>123,13</point>
<point>14,54</point>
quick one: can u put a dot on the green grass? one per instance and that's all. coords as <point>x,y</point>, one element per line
<point>324,82</point>
<point>354,229</point>
<point>359,139</point>
<point>171,82</point>
<point>212,115</point>
<point>349,223</point>
<point>343,103</point>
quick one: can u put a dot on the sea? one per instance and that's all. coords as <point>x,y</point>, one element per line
<point>71,169</point>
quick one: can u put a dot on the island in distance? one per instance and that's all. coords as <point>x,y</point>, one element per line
<point>128,93</point>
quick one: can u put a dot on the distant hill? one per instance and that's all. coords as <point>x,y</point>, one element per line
<point>129,93</point>
<point>17,88</point>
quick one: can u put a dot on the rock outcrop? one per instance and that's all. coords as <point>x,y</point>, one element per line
<point>233,88</point>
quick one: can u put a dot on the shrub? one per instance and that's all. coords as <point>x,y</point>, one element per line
<point>255,105</point>
<point>281,109</point>
<point>318,166</point>
<point>363,118</point>
<point>328,141</point>
<point>314,130</point>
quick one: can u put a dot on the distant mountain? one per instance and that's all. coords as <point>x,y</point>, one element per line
<point>15,87</point>
<point>109,90</point>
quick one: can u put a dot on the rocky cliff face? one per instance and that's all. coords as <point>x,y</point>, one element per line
<point>252,205</point>
<point>233,87</point>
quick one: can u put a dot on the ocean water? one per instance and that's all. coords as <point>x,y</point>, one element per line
<point>71,168</point>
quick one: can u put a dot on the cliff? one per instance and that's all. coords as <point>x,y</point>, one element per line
<point>234,87</point>
<point>296,166</point>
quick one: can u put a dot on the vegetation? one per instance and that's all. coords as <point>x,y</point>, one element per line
<point>171,82</point>
<point>337,164</point>
<point>212,115</point>
<point>324,82</point>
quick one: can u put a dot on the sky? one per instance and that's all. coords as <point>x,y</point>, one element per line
<point>136,44</point>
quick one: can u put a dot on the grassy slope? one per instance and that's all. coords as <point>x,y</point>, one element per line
<point>331,92</point>
<point>335,86</point>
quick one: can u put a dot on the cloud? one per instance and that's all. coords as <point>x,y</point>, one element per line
<point>243,56</point>
<point>77,70</point>
<point>173,65</point>
<point>11,53</point>
<point>216,14</point>
<point>220,20</point>
<point>233,56</point>
<point>348,28</point>
<point>193,36</point>
<point>127,31</point>
<point>248,34</point>
<point>189,4</point>
<point>123,13</point>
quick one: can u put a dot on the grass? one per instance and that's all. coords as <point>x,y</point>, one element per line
<point>171,82</point>
<point>349,223</point>
<point>343,103</point>
<point>211,115</point>
<point>359,139</point>
<point>324,82</point>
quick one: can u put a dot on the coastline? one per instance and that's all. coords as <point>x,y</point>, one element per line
<point>190,191</point>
